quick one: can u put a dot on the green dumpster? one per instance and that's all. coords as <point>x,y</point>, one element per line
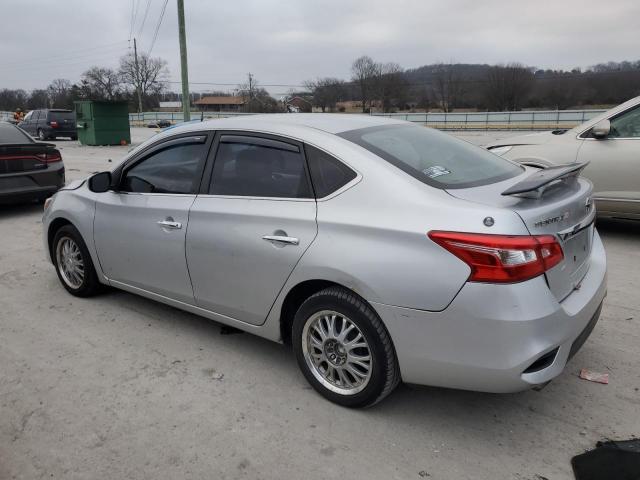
<point>102,123</point>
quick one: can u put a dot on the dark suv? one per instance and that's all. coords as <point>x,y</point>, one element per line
<point>50,123</point>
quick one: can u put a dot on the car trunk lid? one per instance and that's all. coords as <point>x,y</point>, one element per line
<point>15,158</point>
<point>553,202</point>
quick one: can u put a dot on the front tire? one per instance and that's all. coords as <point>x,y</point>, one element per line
<point>343,349</point>
<point>73,263</point>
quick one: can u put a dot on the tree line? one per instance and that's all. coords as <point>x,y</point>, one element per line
<point>139,80</point>
<point>379,86</point>
<point>388,87</point>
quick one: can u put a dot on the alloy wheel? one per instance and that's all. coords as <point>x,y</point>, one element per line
<point>336,352</point>
<point>70,262</point>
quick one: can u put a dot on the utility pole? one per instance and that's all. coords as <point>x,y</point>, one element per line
<point>186,100</point>
<point>137,75</point>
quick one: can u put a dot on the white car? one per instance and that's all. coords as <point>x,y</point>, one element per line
<point>609,142</point>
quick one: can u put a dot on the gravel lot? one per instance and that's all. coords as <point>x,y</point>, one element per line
<point>121,387</point>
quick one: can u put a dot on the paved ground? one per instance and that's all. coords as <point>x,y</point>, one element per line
<point>122,387</point>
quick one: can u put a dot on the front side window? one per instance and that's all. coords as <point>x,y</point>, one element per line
<point>433,157</point>
<point>253,170</point>
<point>175,169</point>
<point>626,125</point>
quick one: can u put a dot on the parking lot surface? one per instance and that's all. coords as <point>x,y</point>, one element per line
<point>118,386</point>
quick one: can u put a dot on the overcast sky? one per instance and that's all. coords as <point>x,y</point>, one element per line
<point>289,41</point>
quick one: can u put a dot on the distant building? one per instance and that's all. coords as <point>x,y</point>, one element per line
<point>170,106</point>
<point>220,104</point>
<point>298,104</point>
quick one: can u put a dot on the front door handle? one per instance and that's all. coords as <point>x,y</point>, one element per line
<point>170,224</point>
<point>281,239</point>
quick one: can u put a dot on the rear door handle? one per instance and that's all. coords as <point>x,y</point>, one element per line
<point>170,224</point>
<point>281,239</point>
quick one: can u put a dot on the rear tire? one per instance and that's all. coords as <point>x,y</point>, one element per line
<point>73,263</point>
<point>41,134</point>
<point>343,349</point>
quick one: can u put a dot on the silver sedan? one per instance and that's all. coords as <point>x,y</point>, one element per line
<point>380,250</point>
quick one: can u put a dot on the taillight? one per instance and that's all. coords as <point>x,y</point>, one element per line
<point>53,124</point>
<point>502,258</point>
<point>50,157</point>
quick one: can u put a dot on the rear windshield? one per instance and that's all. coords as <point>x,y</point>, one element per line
<point>433,157</point>
<point>11,134</point>
<point>53,115</point>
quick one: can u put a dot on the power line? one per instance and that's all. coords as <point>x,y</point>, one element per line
<point>144,18</point>
<point>155,35</point>
<point>135,15</point>
<point>71,54</point>
<point>101,58</point>
<point>84,57</point>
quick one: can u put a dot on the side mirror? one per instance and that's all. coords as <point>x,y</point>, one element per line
<point>100,182</point>
<point>601,129</point>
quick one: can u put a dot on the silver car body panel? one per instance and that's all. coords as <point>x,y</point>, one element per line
<point>155,261</point>
<point>366,237</point>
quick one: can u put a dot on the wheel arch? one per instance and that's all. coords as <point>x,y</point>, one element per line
<point>55,225</point>
<point>298,294</point>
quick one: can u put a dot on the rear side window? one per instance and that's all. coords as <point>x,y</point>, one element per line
<point>57,116</point>
<point>176,169</point>
<point>327,173</point>
<point>433,157</point>
<point>11,134</point>
<point>252,170</point>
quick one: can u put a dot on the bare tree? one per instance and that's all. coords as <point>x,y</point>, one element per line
<point>147,75</point>
<point>39,98</point>
<point>363,73</point>
<point>12,99</point>
<point>326,92</point>
<point>446,86</point>
<point>248,89</point>
<point>508,86</point>
<point>390,85</point>
<point>60,93</point>
<point>100,83</point>
<point>257,99</point>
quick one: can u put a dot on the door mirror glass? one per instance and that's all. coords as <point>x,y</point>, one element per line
<point>601,129</point>
<point>100,182</point>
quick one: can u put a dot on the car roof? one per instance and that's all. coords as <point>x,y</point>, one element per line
<point>282,122</point>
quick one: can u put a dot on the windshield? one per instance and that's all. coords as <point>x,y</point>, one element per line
<point>433,157</point>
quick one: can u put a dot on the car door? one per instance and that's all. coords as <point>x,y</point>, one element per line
<point>249,228</point>
<point>140,226</point>
<point>28,122</point>
<point>41,121</point>
<point>614,165</point>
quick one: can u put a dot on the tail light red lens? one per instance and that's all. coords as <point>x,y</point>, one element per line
<point>50,157</point>
<point>53,124</point>
<point>502,258</point>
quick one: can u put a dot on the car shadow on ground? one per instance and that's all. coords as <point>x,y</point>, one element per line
<point>618,227</point>
<point>407,403</point>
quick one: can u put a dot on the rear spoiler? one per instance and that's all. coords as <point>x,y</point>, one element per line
<point>535,184</point>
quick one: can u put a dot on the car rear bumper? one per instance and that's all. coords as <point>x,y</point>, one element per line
<point>497,338</point>
<point>23,186</point>
<point>56,132</point>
